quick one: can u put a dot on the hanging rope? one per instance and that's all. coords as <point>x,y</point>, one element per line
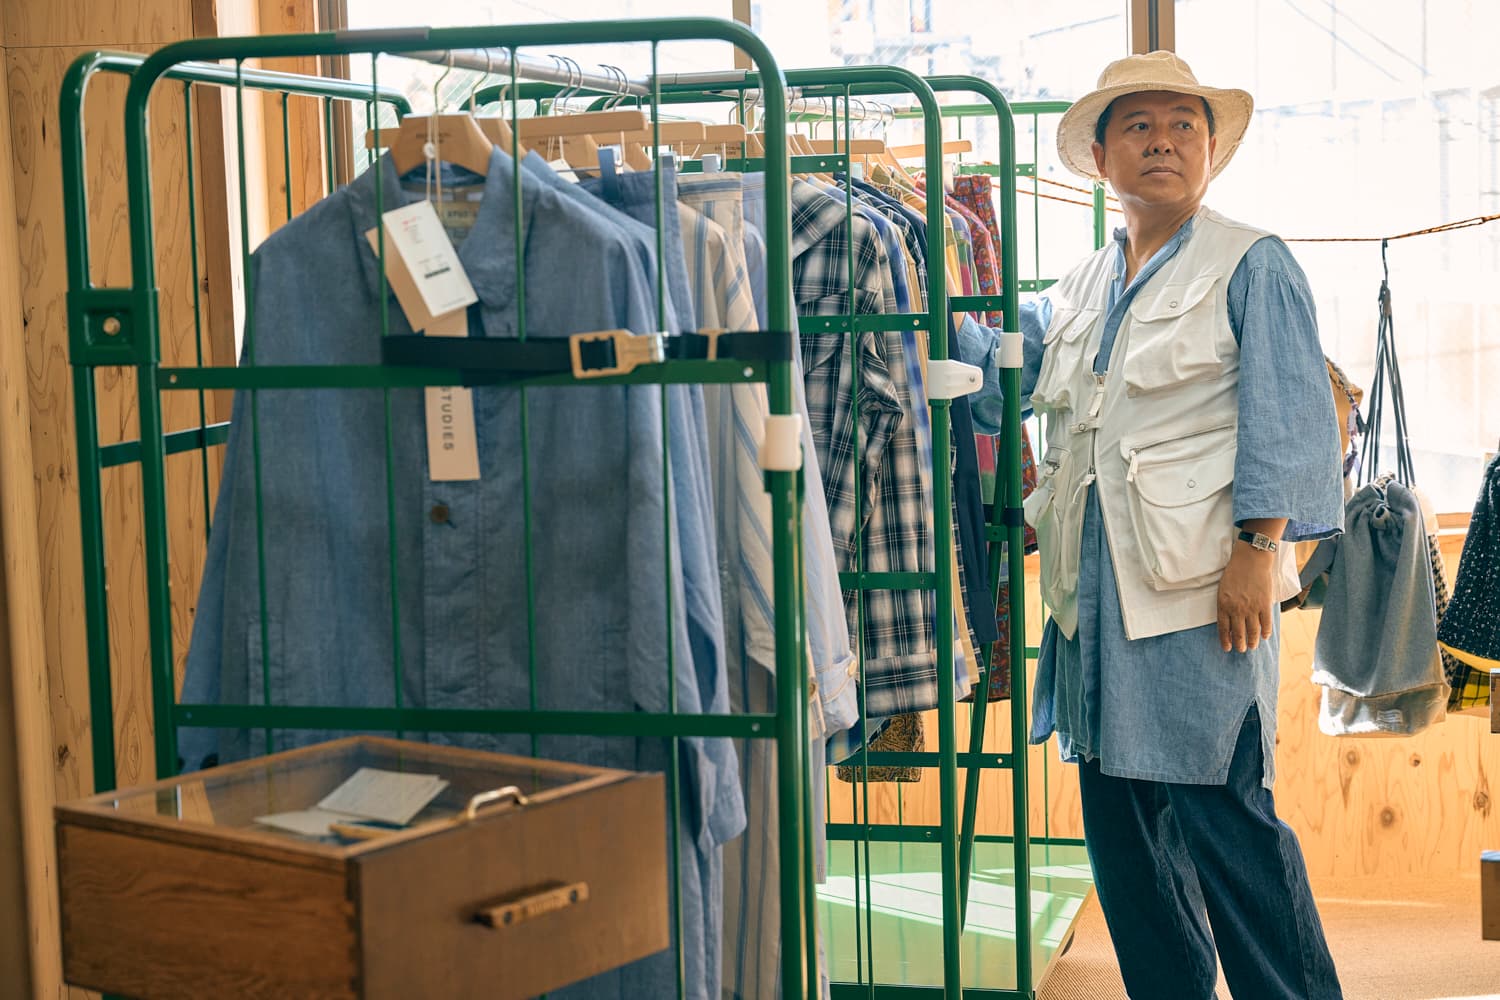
<point>1447,227</point>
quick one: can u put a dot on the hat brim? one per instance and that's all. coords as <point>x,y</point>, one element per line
<point>1075,133</point>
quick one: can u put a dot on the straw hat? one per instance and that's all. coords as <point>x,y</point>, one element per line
<point>1154,71</point>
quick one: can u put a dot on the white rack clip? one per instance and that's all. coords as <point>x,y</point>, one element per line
<point>951,379</point>
<point>781,449</point>
<point>1012,350</point>
<point>712,163</point>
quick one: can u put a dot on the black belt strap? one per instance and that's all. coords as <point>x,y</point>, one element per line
<point>586,355</point>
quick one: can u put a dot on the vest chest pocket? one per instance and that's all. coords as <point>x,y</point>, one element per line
<point>1062,352</point>
<point>1177,335</point>
<point>1181,500</point>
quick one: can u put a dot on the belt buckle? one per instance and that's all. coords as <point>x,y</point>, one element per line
<point>631,351</point>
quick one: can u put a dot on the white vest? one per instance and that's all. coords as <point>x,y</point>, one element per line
<point>1155,435</point>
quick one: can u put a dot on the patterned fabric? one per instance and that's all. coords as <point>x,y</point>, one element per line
<point>904,732</point>
<point>974,192</point>
<point>886,508</point>
<point>1455,671</point>
<point>1471,627</point>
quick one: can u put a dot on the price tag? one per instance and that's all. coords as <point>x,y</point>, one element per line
<point>421,264</point>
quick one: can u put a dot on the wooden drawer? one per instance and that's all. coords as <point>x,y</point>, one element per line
<point>172,890</point>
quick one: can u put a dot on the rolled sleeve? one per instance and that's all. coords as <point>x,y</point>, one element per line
<point>977,345</point>
<point>1287,463</point>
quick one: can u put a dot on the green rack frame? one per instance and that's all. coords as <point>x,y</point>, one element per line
<point>955,836</point>
<point>120,327</point>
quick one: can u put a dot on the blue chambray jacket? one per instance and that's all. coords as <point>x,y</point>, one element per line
<point>456,559</point>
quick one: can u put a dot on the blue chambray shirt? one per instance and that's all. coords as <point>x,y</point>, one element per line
<point>1169,707</point>
<point>456,560</point>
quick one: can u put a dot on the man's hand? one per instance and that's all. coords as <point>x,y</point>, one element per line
<point>1246,599</point>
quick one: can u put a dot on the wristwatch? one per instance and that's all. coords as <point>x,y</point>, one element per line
<point>1263,542</point>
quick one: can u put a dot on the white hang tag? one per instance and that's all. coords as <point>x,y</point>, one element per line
<point>452,443</point>
<point>421,264</point>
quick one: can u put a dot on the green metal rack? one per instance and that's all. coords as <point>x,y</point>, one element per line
<point>120,326</point>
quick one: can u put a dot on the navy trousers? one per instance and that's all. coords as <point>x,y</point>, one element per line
<point>1172,861</point>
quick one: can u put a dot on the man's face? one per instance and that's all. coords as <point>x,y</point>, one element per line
<point>1157,151</point>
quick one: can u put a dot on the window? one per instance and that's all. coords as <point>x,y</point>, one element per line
<point>1376,118</point>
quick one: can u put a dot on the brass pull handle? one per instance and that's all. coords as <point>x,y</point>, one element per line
<point>535,903</point>
<point>508,793</point>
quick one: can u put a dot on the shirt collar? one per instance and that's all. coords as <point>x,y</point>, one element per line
<point>1170,248</point>
<point>487,253</point>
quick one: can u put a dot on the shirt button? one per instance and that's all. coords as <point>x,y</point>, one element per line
<point>1192,484</point>
<point>1172,304</point>
<point>439,513</point>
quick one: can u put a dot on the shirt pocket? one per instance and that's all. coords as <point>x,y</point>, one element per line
<point>1062,354</point>
<point>1180,495</point>
<point>1174,336</point>
<point>1058,530</point>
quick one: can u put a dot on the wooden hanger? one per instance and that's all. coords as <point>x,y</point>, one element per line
<point>919,150</point>
<point>855,147</point>
<point>723,136</point>
<point>497,130</point>
<point>591,123</point>
<point>459,140</point>
<point>672,133</point>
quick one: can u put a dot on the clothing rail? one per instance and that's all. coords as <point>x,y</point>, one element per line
<point>121,325</point>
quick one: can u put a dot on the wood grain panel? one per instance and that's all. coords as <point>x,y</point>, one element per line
<point>1377,807</point>
<point>96,25</point>
<point>302,165</point>
<point>133,908</point>
<point>25,647</point>
<point>35,77</point>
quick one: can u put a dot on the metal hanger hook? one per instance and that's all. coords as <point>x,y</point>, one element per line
<point>617,73</point>
<point>489,67</point>
<point>575,77</point>
<point>437,106</point>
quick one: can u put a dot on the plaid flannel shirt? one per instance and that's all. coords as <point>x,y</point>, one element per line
<point>891,518</point>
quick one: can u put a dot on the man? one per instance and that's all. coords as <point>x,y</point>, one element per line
<point>1190,440</point>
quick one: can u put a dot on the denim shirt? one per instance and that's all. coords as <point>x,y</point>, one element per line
<point>1169,708</point>
<point>456,558</point>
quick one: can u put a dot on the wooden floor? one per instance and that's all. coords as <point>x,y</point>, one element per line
<point>1391,940</point>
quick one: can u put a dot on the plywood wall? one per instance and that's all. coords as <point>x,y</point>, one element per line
<point>1362,807</point>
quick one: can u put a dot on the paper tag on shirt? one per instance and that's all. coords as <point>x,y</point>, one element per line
<point>421,264</point>
<point>452,442</point>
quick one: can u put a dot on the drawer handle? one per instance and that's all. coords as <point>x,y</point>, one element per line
<point>536,903</point>
<point>508,793</point>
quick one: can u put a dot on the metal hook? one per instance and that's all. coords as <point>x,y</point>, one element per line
<point>489,67</point>
<point>616,73</point>
<point>614,79</point>
<point>561,68</point>
<point>437,107</point>
<point>575,77</point>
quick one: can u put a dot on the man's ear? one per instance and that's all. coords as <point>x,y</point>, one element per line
<point>1099,159</point>
<point>1213,150</point>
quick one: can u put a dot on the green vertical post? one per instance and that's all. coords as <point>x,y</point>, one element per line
<point>1101,231</point>
<point>146,324</point>
<point>95,590</point>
